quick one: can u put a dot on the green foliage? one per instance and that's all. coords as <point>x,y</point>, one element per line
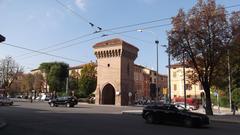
<point>223,99</point>
<point>88,80</point>
<point>73,84</point>
<point>56,73</point>
<point>236,96</point>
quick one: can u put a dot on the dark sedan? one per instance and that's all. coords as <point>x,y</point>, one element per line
<point>68,101</point>
<point>168,113</point>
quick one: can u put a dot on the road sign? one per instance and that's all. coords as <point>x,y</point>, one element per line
<point>129,94</point>
<point>165,91</point>
<point>215,93</point>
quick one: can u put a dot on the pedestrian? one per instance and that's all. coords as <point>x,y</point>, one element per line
<point>31,98</point>
<point>234,108</point>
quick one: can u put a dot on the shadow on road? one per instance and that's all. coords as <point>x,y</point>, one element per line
<point>54,122</point>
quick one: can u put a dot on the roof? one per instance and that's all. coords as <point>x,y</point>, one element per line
<point>179,65</point>
<point>112,42</point>
<point>35,69</point>
<point>80,66</point>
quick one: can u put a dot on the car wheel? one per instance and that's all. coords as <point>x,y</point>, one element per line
<point>188,123</point>
<point>149,119</point>
<point>52,104</point>
<point>68,105</point>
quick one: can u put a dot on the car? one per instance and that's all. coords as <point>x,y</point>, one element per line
<point>170,113</point>
<point>19,96</point>
<point>5,101</point>
<point>188,106</point>
<point>68,101</point>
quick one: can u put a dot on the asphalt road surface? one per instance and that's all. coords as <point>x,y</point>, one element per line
<point>40,119</point>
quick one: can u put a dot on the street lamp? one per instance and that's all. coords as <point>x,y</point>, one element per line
<point>156,42</point>
<point>169,72</point>
<point>229,81</point>
<point>184,80</point>
<point>2,38</point>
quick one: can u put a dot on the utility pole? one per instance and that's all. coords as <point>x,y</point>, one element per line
<point>184,81</point>
<point>229,82</point>
<point>169,74</point>
<point>67,85</point>
<point>2,38</point>
<point>157,42</point>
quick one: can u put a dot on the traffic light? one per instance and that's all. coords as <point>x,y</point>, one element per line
<point>2,38</point>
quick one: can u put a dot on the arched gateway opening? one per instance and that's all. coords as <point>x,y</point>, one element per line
<point>108,95</point>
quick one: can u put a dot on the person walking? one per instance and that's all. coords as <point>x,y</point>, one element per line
<point>234,108</point>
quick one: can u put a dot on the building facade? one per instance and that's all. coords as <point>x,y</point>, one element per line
<point>145,83</point>
<point>177,83</point>
<point>45,85</point>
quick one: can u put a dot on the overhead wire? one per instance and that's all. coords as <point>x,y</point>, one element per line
<point>113,33</point>
<point>56,56</point>
<point>110,29</point>
<point>63,47</point>
<point>78,15</point>
<point>58,44</point>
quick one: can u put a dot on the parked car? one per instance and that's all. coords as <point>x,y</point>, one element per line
<point>170,113</point>
<point>68,101</point>
<point>19,96</point>
<point>188,106</point>
<point>5,101</point>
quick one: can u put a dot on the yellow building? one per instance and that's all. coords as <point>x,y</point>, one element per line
<point>45,85</point>
<point>177,83</point>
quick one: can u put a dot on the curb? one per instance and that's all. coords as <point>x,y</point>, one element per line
<point>225,121</point>
<point>2,124</point>
<point>139,113</point>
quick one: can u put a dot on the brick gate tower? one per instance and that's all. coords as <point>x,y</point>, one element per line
<point>115,77</point>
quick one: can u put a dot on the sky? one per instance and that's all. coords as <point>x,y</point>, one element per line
<point>45,25</point>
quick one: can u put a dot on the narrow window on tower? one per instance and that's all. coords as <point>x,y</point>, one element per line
<point>128,70</point>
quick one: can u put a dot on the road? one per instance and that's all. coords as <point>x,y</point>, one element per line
<point>40,119</point>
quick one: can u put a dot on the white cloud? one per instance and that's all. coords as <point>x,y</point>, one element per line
<point>81,4</point>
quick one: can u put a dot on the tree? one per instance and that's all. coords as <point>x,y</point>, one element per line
<point>56,74</point>
<point>88,80</point>
<point>203,34</point>
<point>38,82</point>
<point>236,95</point>
<point>27,83</point>
<point>235,49</point>
<point>74,81</point>
<point>9,69</point>
<point>16,85</point>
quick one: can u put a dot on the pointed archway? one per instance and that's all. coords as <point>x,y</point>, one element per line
<point>108,95</point>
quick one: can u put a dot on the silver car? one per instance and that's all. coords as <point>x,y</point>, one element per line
<point>5,101</point>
